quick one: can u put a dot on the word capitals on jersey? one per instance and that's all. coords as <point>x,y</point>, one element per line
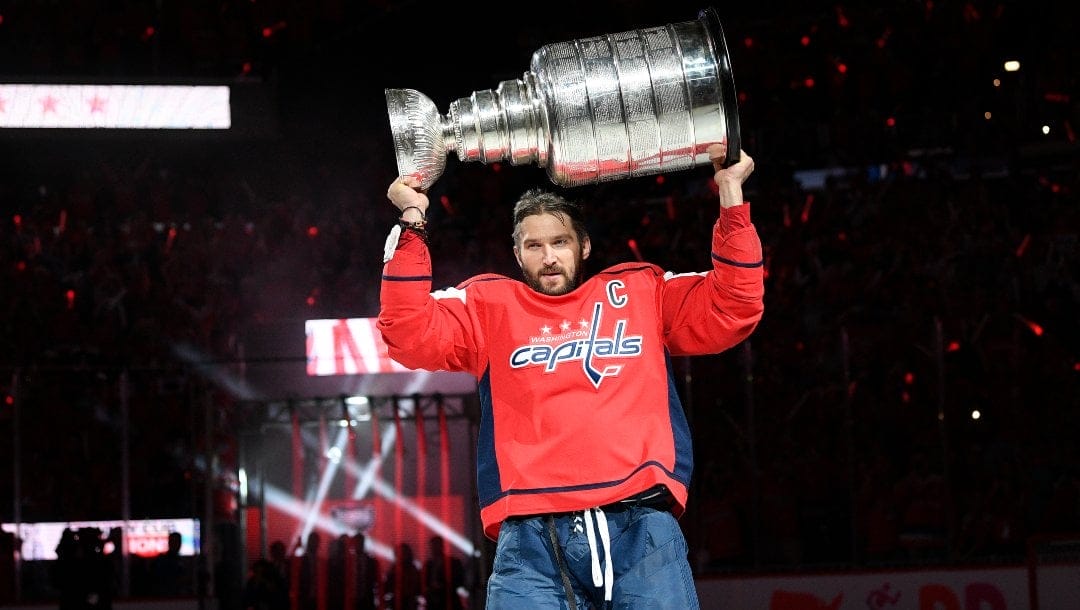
<point>584,345</point>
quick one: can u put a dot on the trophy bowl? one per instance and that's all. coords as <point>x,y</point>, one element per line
<point>589,110</point>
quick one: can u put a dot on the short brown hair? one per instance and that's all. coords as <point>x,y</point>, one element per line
<point>534,202</point>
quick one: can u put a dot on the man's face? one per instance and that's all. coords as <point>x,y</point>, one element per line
<point>550,254</point>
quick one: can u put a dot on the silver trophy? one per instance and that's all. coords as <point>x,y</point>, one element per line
<point>588,110</point>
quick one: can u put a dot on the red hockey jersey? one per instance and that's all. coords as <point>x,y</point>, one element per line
<point>578,403</point>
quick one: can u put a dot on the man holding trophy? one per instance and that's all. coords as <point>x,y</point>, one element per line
<point>584,454</point>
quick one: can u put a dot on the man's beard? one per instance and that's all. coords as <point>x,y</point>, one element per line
<point>536,283</point>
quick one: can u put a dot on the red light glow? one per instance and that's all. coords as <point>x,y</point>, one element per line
<point>1024,243</point>
<point>1035,328</point>
<point>804,217</point>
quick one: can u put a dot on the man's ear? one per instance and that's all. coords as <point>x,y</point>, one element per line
<point>586,247</point>
<point>517,255</point>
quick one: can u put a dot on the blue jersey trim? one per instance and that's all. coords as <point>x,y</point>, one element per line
<point>406,278</point>
<point>728,261</point>
<point>680,429</point>
<point>488,484</point>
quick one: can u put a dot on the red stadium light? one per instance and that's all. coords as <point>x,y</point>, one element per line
<point>884,38</point>
<point>632,244</point>
<point>171,239</point>
<point>70,297</point>
<point>841,18</point>
<point>1035,328</point>
<point>954,346</point>
<point>804,217</point>
<point>808,83</point>
<point>659,178</point>
<point>909,378</point>
<point>805,40</point>
<point>748,42</point>
<point>9,400</point>
<point>1024,243</point>
<point>444,201</point>
<point>313,231</point>
<point>841,68</point>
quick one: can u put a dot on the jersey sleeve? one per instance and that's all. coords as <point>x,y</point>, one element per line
<point>711,312</point>
<point>425,330</point>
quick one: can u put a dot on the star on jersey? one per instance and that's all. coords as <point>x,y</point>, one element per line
<point>565,326</point>
<point>545,330</point>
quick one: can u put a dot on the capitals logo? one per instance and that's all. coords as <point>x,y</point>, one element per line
<point>586,347</point>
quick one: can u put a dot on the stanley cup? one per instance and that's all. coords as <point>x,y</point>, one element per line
<point>589,110</point>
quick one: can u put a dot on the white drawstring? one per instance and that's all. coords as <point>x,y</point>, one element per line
<point>600,578</point>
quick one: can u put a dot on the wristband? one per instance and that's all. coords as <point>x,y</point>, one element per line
<point>423,216</point>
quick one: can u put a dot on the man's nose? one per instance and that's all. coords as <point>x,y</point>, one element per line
<point>549,255</point>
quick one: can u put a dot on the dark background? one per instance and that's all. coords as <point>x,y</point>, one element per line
<point>934,274</point>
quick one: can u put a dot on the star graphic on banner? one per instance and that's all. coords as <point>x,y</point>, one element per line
<point>583,323</point>
<point>565,326</point>
<point>97,104</point>
<point>545,330</point>
<point>48,104</point>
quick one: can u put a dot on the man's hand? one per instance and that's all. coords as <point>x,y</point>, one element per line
<point>730,179</point>
<point>407,197</point>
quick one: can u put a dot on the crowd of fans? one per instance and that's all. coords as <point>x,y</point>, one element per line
<point>903,296</point>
